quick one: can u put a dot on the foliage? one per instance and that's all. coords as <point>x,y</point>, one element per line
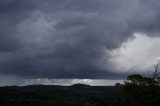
<point>140,91</point>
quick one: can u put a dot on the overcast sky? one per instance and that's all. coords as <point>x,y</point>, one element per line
<point>78,39</point>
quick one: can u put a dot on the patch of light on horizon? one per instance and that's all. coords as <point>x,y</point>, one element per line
<point>13,80</point>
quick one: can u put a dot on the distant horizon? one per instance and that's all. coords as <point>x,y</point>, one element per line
<point>61,82</point>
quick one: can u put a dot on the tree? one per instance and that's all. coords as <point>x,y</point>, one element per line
<point>139,91</point>
<point>135,79</point>
<point>157,72</point>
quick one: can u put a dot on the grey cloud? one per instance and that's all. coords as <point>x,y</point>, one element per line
<point>69,38</point>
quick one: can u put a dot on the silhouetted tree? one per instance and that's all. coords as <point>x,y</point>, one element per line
<point>140,91</point>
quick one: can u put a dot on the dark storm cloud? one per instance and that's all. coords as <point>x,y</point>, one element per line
<point>69,38</point>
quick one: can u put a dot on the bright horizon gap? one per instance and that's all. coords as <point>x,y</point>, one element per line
<point>62,82</point>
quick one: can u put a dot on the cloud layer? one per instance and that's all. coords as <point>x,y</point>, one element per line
<point>76,38</point>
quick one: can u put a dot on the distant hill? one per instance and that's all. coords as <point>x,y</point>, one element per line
<point>69,90</point>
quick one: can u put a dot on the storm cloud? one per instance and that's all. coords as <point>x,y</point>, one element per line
<point>74,38</point>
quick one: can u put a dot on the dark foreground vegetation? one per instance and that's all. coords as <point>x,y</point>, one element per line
<point>137,90</point>
<point>40,95</point>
